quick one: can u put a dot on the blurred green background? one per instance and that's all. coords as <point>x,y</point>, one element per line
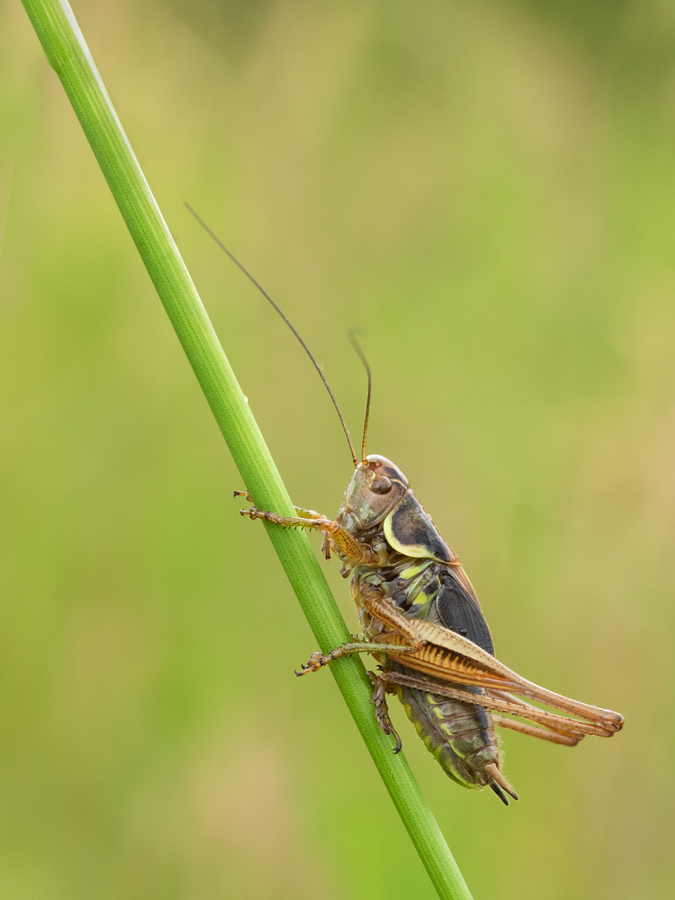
<point>488,188</point>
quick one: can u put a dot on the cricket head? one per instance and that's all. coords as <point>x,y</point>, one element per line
<point>374,489</point>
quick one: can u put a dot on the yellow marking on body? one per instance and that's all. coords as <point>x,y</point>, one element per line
<point>412,571</point>
<point>419,601</point>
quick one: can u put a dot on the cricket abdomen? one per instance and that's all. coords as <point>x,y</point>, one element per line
<point>460,735</point>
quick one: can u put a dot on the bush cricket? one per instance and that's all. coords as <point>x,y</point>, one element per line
<point>423,623</point>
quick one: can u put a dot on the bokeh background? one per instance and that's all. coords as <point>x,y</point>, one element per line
<point>488,189</point>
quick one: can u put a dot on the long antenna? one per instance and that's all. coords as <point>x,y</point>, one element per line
<point>269,299</point>
<point>355,344</point>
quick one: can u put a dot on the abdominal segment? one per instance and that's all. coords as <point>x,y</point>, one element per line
<point>460,735</point>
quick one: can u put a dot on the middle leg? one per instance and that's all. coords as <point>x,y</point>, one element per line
<point>379,701</point>
<point>318,660</point>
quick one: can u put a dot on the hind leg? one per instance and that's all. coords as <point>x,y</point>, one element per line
<point>379,700</point>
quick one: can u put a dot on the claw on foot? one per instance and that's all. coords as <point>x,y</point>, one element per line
<point>315,662</point>
<point>253,513</point>
<point>319,659</point>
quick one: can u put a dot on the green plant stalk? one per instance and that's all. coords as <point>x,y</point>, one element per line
<point>68,54</point>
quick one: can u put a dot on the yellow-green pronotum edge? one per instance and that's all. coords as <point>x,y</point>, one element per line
<point>68,54</point>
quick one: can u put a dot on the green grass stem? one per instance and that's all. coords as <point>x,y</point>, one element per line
<point>68,54</point>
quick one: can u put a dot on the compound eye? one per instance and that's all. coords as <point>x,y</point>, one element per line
<point>380,485</point>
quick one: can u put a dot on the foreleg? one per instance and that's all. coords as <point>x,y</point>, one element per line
<point>346,544</point>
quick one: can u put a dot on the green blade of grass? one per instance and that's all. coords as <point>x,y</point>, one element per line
<point>68,54</point>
